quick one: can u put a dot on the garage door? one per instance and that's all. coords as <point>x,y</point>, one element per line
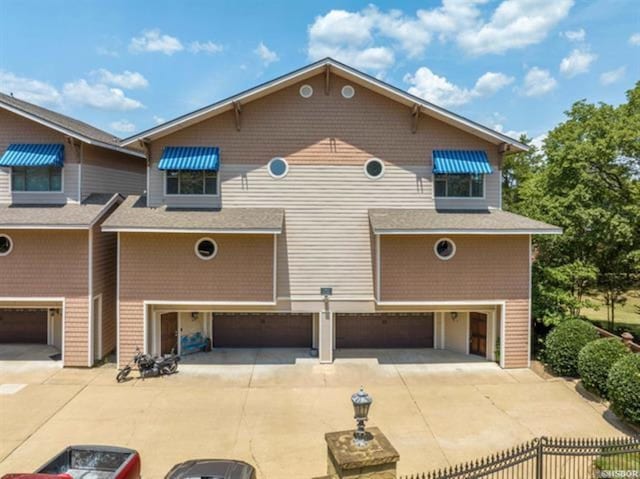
<point>389,330</point>
<point>257,330</point>
<point>23,326</point>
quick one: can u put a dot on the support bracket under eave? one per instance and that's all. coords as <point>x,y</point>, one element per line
<point>237,110</point>
<point>503,149</point>
<point>144,144</point>
<point>327,79</point>
<point>415,117</point>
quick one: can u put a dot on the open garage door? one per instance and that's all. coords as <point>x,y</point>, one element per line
<point>384,330</point>
<point>260,330</point>
<point>23,326</point>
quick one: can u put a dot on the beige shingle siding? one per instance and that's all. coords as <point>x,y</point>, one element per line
<point>483,268</point>
<point>104,282</point>
<point>165,267</point>
<point>52,263</point>
<point>109,171</point>
<point>326,195</point>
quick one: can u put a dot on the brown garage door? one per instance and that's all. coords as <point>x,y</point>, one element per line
<point>258,330</point>
<point>389,330</point>
<point>23,326</point>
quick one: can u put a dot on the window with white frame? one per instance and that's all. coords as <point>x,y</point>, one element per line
<point>187,182</point>
<point>36,178</point>
<point>459,186</point>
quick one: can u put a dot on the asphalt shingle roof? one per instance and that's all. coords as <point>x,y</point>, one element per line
<point>455,221</point>
<point>133,214</point>
<point>69,215</point>
<point>60,120</point>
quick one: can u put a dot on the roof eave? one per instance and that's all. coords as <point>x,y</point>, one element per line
<point>71,133</point>
<point>223,105</point>
<point>139,229</point>
<point>479,231</point>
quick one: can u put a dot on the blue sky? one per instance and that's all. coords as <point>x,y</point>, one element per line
<point>514,65</point>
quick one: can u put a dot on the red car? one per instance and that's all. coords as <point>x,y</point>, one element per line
<point>97,462</point>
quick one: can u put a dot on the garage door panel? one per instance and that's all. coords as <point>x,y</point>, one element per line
<point>384,330</point>
<point>23,326</point>
<point>255,330</point>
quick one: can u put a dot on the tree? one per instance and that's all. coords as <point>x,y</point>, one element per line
<point>588,185</point>
<point>516,169</point>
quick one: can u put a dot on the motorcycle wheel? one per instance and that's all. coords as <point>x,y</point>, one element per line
<point>123,374</point>
<point>173,368</point>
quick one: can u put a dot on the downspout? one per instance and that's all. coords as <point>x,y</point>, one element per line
<point>80,172</point>
<point>90,331</point>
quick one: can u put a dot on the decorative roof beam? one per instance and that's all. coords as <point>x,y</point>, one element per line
<point>237,110</point>
<point>415,116</point>
<point>327,79</point>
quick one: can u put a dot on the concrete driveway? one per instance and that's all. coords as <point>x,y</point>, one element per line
<point>272,408</point>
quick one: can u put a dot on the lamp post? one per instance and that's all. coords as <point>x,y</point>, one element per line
<point>361,403</point>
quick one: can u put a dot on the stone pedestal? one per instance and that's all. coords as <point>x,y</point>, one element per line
<point>376,460</point>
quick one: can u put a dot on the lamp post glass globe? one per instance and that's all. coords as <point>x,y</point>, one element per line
<point>361,403</point>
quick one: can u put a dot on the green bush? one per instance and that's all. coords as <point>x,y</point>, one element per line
<point>595,361</point>
<point>624,388</point>
<point>564,343</point>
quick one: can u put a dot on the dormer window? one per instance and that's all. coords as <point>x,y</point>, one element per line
<point>460,173</point>
<point>34,167</point>
<point>184,182</point>
<point>190,170</point>
<point>459,186</point>
<point>37,178</point>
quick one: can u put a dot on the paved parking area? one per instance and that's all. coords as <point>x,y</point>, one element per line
<point>272,408</point>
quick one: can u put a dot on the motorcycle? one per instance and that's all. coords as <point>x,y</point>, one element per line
<point>149,366</point>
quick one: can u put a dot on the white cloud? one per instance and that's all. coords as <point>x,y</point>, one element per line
<point>514,24</point>
<point>28,89</point>
<point>538,82</point>
<point>266,55</point>
<point>612,76</point>
<point>372,39</point>
<point>155,41</point>
<point>538,141</point>
<point>158,119</point>
<point>99,96</point>
<point>575,35</point>
<point>123,126</point>
<point>205,47</point>
<point>437,89</point>
<point>515,134</point>
<point>634,39</point>
<point>490,83</point>
<point>127,79</point>
<point>577,62</point>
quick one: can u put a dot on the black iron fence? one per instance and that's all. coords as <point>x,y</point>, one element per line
<point>552,458</point>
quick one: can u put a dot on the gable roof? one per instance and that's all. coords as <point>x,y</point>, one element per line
<point>64,124</point>
<point>344,71</point>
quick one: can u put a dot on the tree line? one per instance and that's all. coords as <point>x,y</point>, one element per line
<point>585,178</point>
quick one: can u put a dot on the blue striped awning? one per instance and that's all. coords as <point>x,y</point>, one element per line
<point>20,154</point>
<point>459,162</point>
<point>190,158</point>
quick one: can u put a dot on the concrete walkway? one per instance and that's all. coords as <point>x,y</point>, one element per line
<point>272,408</point>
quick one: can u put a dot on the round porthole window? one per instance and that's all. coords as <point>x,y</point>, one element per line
<point>374,168</point>
<point>206,248</point>
<point>306,91</point>
<point>278,167</point>
<point>348,91</point>
<point>444,248</point>
<point>6,245</point>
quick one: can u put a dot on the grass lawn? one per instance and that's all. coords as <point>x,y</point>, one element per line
<point>626,315</point>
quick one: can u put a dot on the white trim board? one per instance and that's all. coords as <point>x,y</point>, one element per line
<point>135,229</point>
<point>468,232</point>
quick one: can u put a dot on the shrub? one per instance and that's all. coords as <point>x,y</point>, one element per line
<point>565,342</point>
<point>595,361</point>
<point>624,388</point>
